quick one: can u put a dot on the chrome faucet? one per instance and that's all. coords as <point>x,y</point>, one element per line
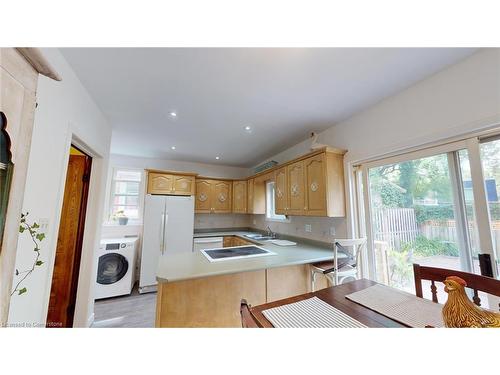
<point>270,233</point>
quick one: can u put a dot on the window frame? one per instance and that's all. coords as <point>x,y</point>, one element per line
<point>140,196</point>
<point>270,212</point>
<point>471,144</point>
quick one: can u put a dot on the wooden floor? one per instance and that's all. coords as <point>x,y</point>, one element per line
<point>133,311</point>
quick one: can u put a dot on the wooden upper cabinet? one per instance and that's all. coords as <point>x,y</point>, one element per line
<point>296,193</point>
<point>280,191</point>
<point>311,186</point>
<point>222,196</point>
<point>213,196</point>
<point>184,185</point>
<point>240,197</point>
<point>315,186</point>
<point>159,183</point>
<point>250,196</point>
<point>203,203</point>
<point>169,183</point>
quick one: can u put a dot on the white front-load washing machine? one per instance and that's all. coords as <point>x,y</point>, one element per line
<point>116,267</point>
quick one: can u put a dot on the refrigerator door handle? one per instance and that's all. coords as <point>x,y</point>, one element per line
<point>162,229</point>
<point>165,222</point>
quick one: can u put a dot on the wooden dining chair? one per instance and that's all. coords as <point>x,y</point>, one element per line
<point>247,319</point>
<point>476,283</point>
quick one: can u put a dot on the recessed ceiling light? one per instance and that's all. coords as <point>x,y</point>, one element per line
<point>173,114</point>
<point>173,147</point>
<point>217,158</point>
<point>248,129</point>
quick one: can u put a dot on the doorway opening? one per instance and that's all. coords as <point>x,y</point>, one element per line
<point>69,242</point>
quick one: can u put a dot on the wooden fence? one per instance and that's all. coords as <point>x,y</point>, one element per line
<point>395,226</point>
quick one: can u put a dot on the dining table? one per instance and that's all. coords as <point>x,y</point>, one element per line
<point>336,297</point>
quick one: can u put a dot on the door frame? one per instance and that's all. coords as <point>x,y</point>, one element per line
<point>82,214</point>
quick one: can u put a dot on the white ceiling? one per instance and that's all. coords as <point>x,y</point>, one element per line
<point>283,94</point>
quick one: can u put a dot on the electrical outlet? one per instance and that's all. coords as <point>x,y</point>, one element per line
<point>308,228</point>
<point>44,225</point>
<point>332,231</point>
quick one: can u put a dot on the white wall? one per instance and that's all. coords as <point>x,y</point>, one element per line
<point>65,113</point>
<point>460,99</point>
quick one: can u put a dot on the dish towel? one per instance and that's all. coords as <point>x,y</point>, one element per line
<point>400,306</point>
<point>310,313</point>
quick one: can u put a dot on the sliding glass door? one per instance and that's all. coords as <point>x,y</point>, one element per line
<point>437,207</point>
<point>490,160</point>
<point>414,219</point>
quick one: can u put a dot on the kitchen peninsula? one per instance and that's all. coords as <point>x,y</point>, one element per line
<point>194,292</point>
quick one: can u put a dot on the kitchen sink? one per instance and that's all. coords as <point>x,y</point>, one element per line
<point>259,237</point>
<point>235,252</point>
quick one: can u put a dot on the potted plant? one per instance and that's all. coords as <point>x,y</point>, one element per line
<point>121,217</point>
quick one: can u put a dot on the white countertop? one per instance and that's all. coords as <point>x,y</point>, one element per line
<point>185,266</point>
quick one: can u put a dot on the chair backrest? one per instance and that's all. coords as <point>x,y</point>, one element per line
<point>247,319</point>
<point>355,243</point>
<point>474,282</point>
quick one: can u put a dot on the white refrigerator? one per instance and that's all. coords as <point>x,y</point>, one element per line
<point>168,228</point>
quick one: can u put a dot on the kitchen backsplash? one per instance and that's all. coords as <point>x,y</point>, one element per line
<point>320,227</point>
<point>204,221</point>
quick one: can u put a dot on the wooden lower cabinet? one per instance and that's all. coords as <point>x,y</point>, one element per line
<point>215,301</point>
<point>285,282</point>
<point>229,241</point>
<point>210,301</point>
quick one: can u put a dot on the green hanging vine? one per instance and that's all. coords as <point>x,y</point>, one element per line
<point>36,238</point>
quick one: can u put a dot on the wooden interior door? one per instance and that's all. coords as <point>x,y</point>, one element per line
<point>222,197</point>
<point>69,243</point>
<point>296,193</point>
<point>315,188</point>
<point>280,192</point>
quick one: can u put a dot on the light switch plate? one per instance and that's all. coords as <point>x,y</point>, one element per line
<point>308,228</point>
<point>332,231</point>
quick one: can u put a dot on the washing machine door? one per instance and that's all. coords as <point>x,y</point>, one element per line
<point>112,268</point>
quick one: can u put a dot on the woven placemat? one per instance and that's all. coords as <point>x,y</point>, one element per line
<point>400,306</point>
<point>310,313</point>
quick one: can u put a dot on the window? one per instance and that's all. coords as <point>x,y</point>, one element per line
<point>270,208</point>
<point>126,190</point>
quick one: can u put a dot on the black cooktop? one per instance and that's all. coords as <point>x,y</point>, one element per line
<point>235,252</point>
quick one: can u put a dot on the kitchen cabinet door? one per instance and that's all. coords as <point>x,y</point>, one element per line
<point>160,183</point>
<point>296,193</point>
<point>183,185</point>
<point>240,197</point>
<point>250,196</point>
<point>280,192</point>
<point>315,186</point>
<point>203,196</point>
<point>221,197</point>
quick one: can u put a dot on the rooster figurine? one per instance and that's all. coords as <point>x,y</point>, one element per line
<point>459,311</point>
